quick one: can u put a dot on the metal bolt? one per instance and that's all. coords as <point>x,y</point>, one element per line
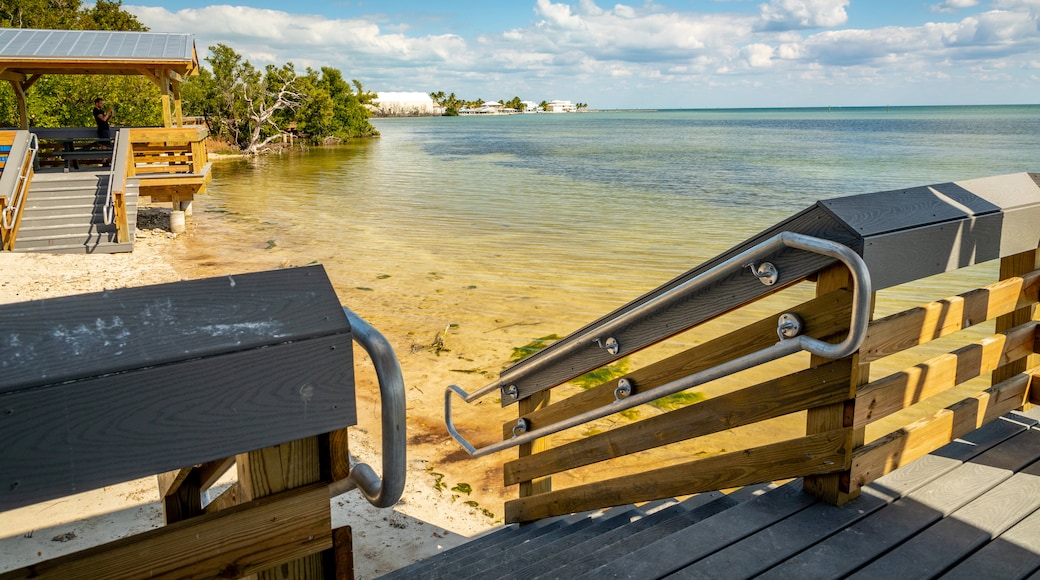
<point>511,391</point>
<point>611,345</point>
<point>766,272</point>
<point>624,389</point>
<point>521,427</point>
<point>789,326</point>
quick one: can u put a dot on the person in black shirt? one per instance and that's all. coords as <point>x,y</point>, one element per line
<point>102,117</point>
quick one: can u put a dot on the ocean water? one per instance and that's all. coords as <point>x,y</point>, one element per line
<point>546,222</point>
<point>596,206</point>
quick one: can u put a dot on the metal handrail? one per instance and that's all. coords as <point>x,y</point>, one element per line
<point>109,208</point>
<point>786,346</point>
<point>380,493</point>
<point>22,185</point>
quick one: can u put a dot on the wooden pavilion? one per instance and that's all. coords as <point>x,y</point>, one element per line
<point>166,164</point>
<point>26,55</point>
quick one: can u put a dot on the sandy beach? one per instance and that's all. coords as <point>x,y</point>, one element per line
<point>428,519</point>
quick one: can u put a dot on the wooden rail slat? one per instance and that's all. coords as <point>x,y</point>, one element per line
<point>813,454</point>
<point>1010,267</point>
<point>228,544</point>
<point>910,328</point>
<point>925,435</point>
<point>900,390</point>
<point>821,316</point>
<point>809,388</point>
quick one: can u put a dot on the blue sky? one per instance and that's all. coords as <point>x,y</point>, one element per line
<point>656,54</point>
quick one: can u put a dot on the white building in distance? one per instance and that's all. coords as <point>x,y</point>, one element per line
<point>561,107</point>
<point>404,105</point>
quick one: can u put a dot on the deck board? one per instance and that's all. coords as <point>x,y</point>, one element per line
<point>872,537</point>
<point>786,538</point>
<point>708,536</point>
<point>1013,555</point>
<point>942,545</point>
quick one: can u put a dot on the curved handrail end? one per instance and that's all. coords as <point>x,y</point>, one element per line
<point>386,492</point>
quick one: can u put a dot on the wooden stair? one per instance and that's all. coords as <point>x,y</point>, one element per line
<point>972,505</point>
<point>64,213</point>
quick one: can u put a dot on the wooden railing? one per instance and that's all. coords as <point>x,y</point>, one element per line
<point>856,427</point>
<point>170,162</point>
<point>17,153</point>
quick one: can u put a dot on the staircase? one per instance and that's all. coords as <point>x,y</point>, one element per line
<point>64,213</point>
<point>576,545</point>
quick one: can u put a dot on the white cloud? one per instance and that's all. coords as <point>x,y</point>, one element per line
<point>604,54</point>
<point>802,14</point>
<point>950,6</point>
<point>758,55</point>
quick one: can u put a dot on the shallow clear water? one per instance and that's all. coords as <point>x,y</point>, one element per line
<point>592,208</point>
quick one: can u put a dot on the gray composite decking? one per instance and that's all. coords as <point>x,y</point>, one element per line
<point>968,510</point>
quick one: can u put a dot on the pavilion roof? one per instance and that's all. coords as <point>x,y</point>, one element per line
<point>25,51</point>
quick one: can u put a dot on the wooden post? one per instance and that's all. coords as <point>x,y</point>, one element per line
<point>341,557</point>
<point>178,115</point>
<point>526,406</point>
<point>1010,267</point>
<point>835,487</point>
<point>280,468</point>
<point>23,110</point>
<point>186,500</point>
<point>164,85</point>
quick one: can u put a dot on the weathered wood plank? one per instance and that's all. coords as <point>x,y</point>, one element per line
<point>82,435</point>
<point>819,453</point>
<point>775,398</point>
<point>228,544</point>
<point>945,543</point>
<point>821,317</point>
<point>907,329</point>
<point>900,390</point>
<point>62,339</point>
<point>932,432</point>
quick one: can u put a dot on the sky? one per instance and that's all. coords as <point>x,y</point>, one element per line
<point>645,55</point>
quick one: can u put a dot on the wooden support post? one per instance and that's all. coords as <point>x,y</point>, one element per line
<point>164,85</point>
<point>526,406</point>
<point>185,499</point>
<point>275,469</point>
<point>178,115</point>
<point>834,487</point>
<point>23,110</point>
<point>1010,267</point>
<point>341,557</point>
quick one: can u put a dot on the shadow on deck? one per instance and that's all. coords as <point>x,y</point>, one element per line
<point>970,509</point>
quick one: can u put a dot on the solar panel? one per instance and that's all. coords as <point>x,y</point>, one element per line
<point>95,44</point>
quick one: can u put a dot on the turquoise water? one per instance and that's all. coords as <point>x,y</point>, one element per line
<point>553,220</point>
